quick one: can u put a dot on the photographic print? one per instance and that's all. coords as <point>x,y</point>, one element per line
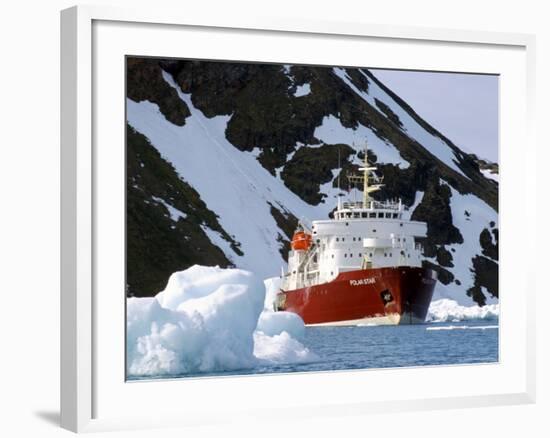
<point>298,218</point>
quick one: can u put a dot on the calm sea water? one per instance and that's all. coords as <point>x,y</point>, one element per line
<point>345,348</point>
<point>348,348</point>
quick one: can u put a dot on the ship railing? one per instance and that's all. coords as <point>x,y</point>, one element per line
<point>373,205</point>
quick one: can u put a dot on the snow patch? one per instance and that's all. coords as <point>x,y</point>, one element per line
<point>490,175</point>
<point>418,196</point>
<point>175,214</point>
<point>302,90</point>
<point>331,131</point>
<point>470,215</point>
<point>217,240</point>
<point>206,321</point>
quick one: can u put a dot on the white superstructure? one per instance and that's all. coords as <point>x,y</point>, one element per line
<point>363,235</point>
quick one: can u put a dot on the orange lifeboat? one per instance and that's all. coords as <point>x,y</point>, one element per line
<point>301,241</point>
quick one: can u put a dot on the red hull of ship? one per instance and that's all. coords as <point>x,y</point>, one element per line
<point>397,295</point>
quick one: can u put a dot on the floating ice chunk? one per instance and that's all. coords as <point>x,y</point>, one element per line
<point>197,324</point>
<point>463,327</point>
<point>201,281</point>
<point>206,321</point>
<point>449,310</point>
<point>281,348</point>
<point>275,323</point>
<point>272,287</point>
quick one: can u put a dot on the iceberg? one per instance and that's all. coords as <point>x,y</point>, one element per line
<point>209,320</point>
<point>446,310</point>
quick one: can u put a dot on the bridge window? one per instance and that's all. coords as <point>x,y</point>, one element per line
<point>395,215</point>
<point>337,239</point>
<point>356,215</point>
<point>372,215</point>
<point>388,215</point>
<point>345,255</point>
<point>363,215</point>
<point>343,240</point>
<point>354,239</point>
<point>359,254</point>
<point>380,215</point>
<point>385,254</point>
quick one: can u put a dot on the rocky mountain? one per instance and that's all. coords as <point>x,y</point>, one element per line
<point>224,158</point>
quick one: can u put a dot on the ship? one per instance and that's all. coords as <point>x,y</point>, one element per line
<point>361,267</point>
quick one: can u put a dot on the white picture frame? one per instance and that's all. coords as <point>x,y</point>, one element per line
<point>92,392</point>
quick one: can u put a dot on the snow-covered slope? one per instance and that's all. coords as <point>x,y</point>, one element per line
<point>239,183</point>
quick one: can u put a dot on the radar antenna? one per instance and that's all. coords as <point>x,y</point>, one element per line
<point>371,183</point>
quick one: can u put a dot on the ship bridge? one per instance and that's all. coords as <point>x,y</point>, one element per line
<point>370,209</point>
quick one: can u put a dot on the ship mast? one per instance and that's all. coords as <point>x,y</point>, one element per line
<point>365,179</point>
